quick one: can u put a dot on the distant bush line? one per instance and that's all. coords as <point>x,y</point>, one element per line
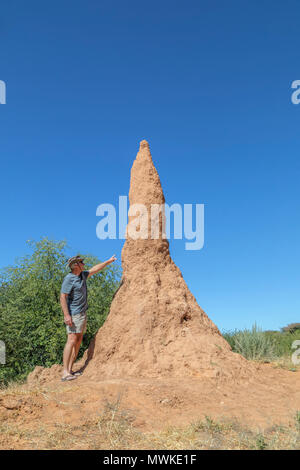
<point>255,344</point>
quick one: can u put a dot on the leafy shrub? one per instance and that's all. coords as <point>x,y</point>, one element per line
<point>283,341</point>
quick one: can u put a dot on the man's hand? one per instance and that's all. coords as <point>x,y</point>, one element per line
<point>95,269</point>
<point>68,320</point>
<point>112,259</point>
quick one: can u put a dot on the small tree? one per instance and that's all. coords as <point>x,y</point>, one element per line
<point>291,328</point>
<point>31,320</point>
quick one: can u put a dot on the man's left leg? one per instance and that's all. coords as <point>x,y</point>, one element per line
<point>75,351</point>
<point>68,351</point>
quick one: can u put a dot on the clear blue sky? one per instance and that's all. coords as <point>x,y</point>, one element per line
<point>208,84</point>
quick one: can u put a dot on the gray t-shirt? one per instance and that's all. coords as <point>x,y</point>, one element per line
<point>75,287</point>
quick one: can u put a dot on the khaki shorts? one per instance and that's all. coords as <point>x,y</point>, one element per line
<point>79,324</point>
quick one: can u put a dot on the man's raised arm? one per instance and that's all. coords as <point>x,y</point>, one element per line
<point>95,269</point>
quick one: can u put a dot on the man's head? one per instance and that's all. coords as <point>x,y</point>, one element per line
<point>76,264</point>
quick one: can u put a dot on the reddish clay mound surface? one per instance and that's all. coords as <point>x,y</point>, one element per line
<point>159,348</point>
<point>155,327</point>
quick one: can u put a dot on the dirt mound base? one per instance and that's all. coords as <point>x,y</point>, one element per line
<point>155,328</point>
<point>270,397</point>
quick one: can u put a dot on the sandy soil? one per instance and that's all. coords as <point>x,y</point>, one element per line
<point>271,396</point>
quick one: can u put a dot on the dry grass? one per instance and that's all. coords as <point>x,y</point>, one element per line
<point>114,433</point>
<point>209,434</point>
<point>286,363</point>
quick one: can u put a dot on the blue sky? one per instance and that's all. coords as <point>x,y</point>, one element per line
<point>208,84</point>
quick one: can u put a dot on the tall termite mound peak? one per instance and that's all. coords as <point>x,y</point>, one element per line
<point>155,326</point>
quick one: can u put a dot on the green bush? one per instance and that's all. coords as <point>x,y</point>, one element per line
<point>253,344</point>
<point>31,320</point>
<point>283,341</point>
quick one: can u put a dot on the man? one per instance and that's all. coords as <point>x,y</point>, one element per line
<point>73,300</point>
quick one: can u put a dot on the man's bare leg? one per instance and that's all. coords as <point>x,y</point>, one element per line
<point>75,350</point>
<point>68,352</point>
